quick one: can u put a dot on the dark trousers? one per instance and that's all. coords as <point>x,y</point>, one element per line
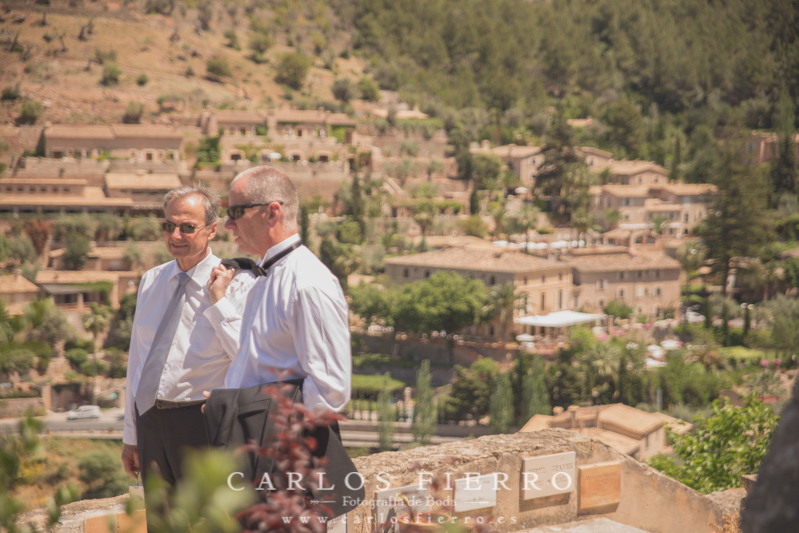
<point>164,435</point>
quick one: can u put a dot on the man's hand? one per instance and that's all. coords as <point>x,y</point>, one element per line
<point>220,279</point>
<point>130,459</point>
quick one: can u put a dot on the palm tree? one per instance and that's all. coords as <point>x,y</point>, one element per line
<point>6,323</point>
<point>503,301</point>
<point>97,321</point>
<point>659,224</point>
<point>602,364</point>
<point>498,214</point>
<point>582,221</point>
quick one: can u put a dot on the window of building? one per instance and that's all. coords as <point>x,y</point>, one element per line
<point>493,280</point>
<point>525,280</point>
<point>620,294</point>
<point>543,278</point>
<point>639,274</point>
<point>621,275</point>
<point>657,291</point>
<point>543,302</point>
<point>657,273</point>
<point>405,273</point>
<point>600,285</point>
<point>560,276</point>
<point>560,299</point>
<point>426,274</point>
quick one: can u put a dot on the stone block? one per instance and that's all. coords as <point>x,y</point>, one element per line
<point>547,475</point>
<point>600,488</point>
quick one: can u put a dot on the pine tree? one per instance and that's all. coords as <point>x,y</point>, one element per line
<point>535,398</point>
<point>784,171</point>
<point>357,204</point>
<point>674,175</point>
<point>387,416</point>
<point>424,422</point>
<point>501,407</point>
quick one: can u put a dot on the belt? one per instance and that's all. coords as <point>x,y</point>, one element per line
<point>169,404</point>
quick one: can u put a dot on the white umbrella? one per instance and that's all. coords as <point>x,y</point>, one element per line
<point>521,190</point>
<point>670,344</point>
<point>525,337</point>
<point>274,156</point>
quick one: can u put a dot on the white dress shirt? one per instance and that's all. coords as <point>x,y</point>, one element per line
<point>295,327</point>
<point>206,339</point>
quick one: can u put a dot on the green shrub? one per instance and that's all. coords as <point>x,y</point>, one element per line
<point>364,386</point>
<point>30,112</point>
<point>369,89</point>
<point>16,359</point>
<point>104,475</point>
<point>133,113</point>
<point>84,344</point>
<point>12,93</point>
<point>292,70</point>
<point>111,74</point>
<point>142,80</point>
<point>76,357</point>
<point>218,68</point>
<point>105,56</point>
<point>93,368</point>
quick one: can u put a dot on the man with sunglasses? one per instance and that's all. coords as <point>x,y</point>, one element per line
<point>295,325</point>
<point>186,339</point>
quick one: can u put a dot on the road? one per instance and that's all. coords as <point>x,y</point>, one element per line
<point>111,423</point>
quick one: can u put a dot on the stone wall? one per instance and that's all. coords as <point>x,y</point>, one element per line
<point>594,480</point>
<point>17,407</point>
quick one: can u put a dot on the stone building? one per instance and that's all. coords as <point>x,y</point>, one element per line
<point>42,196</point>
<point>647,281</point>
<point>629,430</point>
<point>16,292</point>
<point>137,142</point>
<point>545,286</point>
<point>146,190</point>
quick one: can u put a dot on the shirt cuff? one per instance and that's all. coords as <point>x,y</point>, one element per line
<point>221,311</point>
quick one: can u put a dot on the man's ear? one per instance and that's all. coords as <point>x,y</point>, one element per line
<point>212,231</point>
<point>275,213</point>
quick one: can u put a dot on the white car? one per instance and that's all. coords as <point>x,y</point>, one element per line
<point>84,411</point>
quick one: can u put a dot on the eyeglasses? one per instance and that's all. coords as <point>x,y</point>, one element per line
<point>169,227</point>
<point>235,211</point>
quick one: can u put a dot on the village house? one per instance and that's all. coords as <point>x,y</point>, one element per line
<point>298,135</point>
<point>595,158</point>
<point>544,285</point>
<point>626,429</point>
<point>762,147</point>
<point>105,258</point>
<point>146,190</point>
<point>136,142</point>
<point>523,161</point>
<point>633,172</point>
<point>43,196</point>
<point>647,281</point>
<point>16,292</point>
<point>74,290</point>
<point>680,206</point>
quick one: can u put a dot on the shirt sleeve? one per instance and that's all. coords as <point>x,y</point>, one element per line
<point>322,339</point>
<point>225,315</point>
<point>134,358</point>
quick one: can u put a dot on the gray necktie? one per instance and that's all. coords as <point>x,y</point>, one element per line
<point>159,351</point>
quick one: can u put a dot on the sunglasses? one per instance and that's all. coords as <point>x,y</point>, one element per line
<point>169,227</point>
<point>235,211</point>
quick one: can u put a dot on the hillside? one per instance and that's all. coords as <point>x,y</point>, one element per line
<point>166,49</point>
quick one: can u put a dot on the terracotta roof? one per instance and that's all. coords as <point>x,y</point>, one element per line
<point>102,252</point>
<point>688,189</point>
<point>142,181</point>
<point>79,132</point>
<point>457,241</point>
<point>42,181</point>
<point>627,191</point>
<point>617,441</point>
<point>147,131</point>
<point>627,168</point>
<point>340,119</point>
<point>246,117</point>
<point>300,115</point>
<point>630,419</point>
<point>479,259</point>
<point>613,262</point>
<point>511,150</point>
<point>75,276</point>
<point>92,196</point>
<point>536,423</point>
<point>15,284</point>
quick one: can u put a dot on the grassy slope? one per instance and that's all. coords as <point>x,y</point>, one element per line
<point>73,94</point>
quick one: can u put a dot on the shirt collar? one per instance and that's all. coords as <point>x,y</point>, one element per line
<point>279,247</point>
<point>199,273</point>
